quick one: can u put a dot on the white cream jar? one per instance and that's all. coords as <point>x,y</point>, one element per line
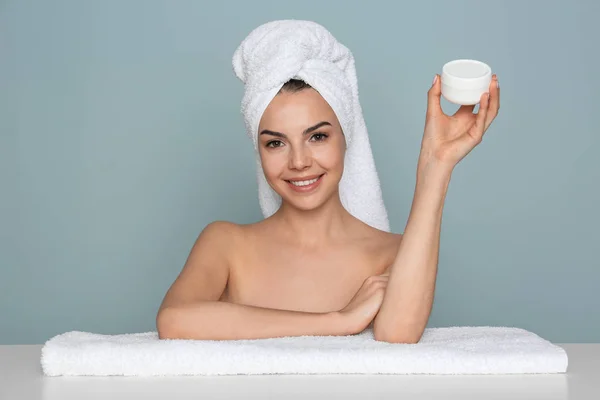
<point>464,81</point>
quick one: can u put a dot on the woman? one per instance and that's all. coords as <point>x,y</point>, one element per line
<point>313,268</point>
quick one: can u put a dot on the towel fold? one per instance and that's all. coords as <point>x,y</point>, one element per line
<point>278,51</point>
<point>450,350</point>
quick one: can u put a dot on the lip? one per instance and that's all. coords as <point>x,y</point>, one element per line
<point>308,188</point>
<point>304,178</point>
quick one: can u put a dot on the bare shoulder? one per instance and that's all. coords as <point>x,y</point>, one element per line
<point>222,230</point>
<point>256,230</point>
<point>235,237</point>
<point>383,246</point>
<point>206,271</point>
<point>382,239</point>
<point>217,238</point>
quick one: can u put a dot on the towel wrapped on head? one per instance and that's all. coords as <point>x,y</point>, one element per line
<point>278,51</point>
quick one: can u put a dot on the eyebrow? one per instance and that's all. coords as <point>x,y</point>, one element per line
<point>306,131</point>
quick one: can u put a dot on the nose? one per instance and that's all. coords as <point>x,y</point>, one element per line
<point>300,158</point>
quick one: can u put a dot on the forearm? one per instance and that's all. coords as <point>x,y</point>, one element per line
<point>217,320</point>
<point>409,295</point>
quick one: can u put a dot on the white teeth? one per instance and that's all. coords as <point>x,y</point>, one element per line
<point>304,183</point>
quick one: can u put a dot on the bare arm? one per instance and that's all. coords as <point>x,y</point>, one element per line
<point>217,320</point>
<point>409,295</point>
<point>446,140</point>
<point>191,308</point>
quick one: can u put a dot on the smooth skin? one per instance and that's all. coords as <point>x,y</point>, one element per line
<point>311,268</point>
<point>408,300</point>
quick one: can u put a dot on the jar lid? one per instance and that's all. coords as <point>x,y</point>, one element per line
<point>466,74</point>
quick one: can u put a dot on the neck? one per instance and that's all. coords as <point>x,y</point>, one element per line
<point>314,228</point>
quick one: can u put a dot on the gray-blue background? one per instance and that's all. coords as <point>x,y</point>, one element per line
<point>121,138</point>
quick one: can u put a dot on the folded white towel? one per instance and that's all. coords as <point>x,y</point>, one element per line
<point>450,350</point>
<point>278,51</point>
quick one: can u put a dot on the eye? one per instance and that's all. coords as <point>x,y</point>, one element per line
<point>269,144</point>
<point>320,136</point>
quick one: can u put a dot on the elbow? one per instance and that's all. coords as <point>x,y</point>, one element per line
<point>400,336</point>
<point>165,324</point>
<point>397,339</point>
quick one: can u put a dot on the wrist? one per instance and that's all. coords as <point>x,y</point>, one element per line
<point>338,323</point>
<point>433,173</point>
<point>431,167</point>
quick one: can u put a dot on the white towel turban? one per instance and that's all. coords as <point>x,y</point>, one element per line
<point>278,51</point>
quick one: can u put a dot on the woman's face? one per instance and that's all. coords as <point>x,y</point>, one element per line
<point>300,139</point>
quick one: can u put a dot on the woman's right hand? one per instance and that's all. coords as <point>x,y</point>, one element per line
<point>365,304</point>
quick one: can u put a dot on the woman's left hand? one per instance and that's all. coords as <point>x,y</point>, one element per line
<point>448,139</point>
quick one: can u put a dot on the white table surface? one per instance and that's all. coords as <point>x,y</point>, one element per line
<point>21,378</point>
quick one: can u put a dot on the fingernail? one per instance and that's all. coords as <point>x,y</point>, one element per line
<point>497,84</point>
<point>434,80</point>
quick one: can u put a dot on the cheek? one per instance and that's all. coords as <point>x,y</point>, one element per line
<point>273,164</point>
<point>331,158</point>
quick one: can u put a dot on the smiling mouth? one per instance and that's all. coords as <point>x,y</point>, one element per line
<point>306,182</point>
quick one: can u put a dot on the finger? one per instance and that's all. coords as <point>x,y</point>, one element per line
<point>378,285</point>
<point>375,278</point>
<point>380,278</point>
<point>494,101</point>
<point>434,107</point>
<point>484,105</point>
<point>375,286</point>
